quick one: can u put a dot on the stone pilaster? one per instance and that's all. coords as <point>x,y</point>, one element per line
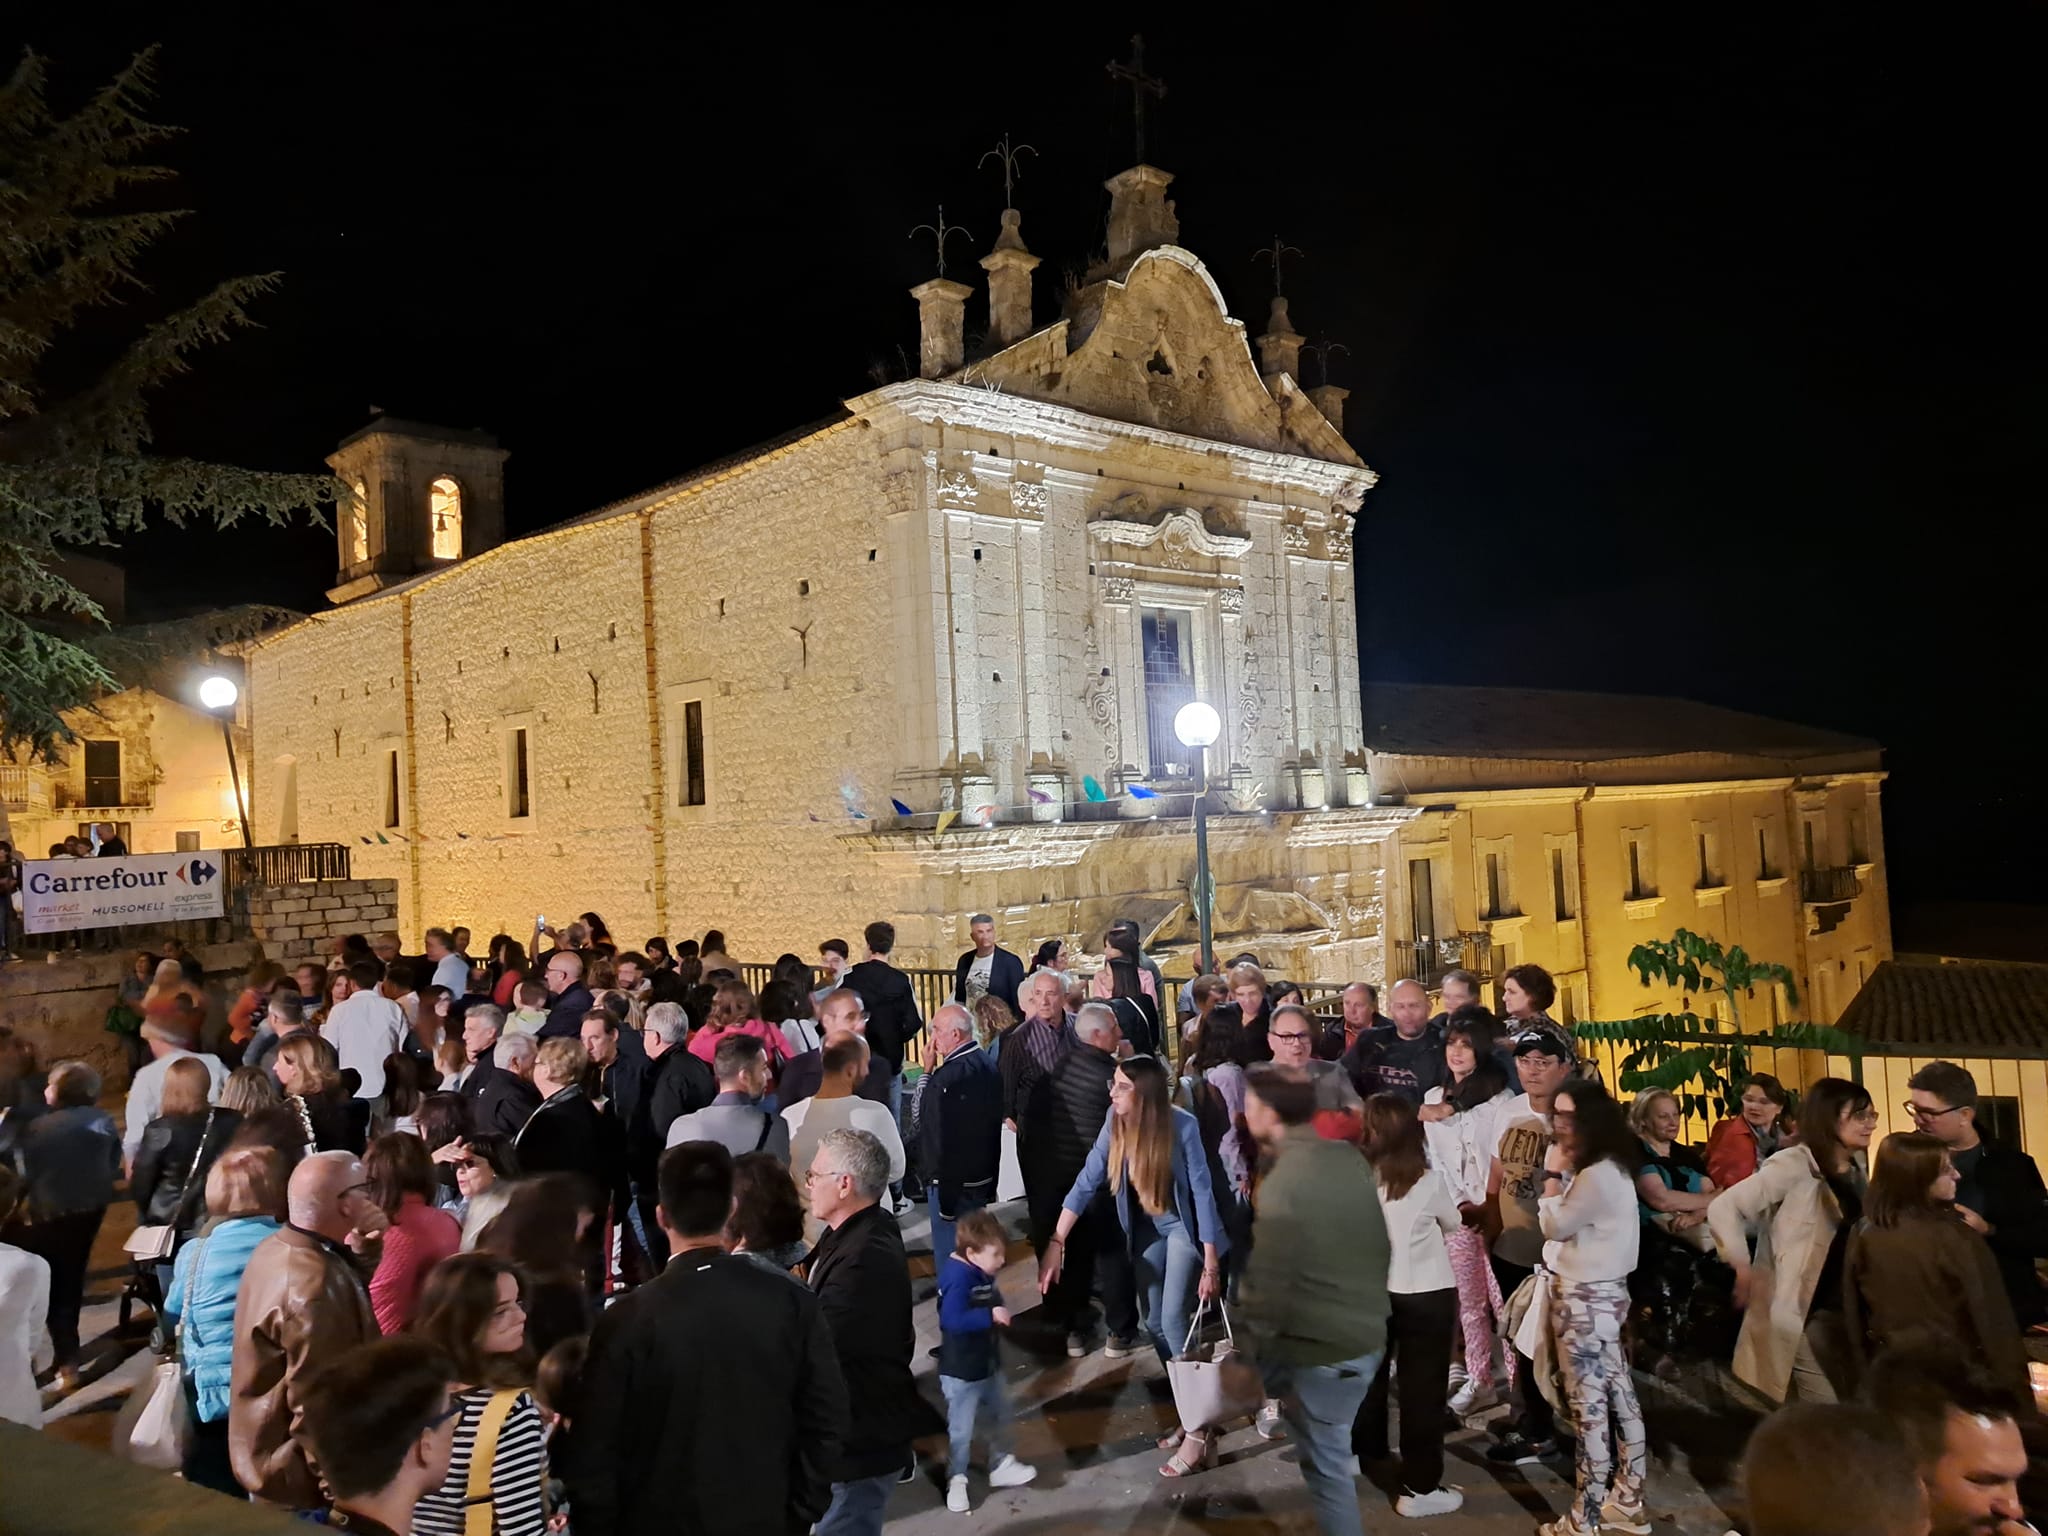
<point>1140,217</point>
<point>1280,347</point>
<point>1009,283</point>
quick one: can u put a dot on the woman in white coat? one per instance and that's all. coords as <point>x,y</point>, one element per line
<point>1799,1206</point>
<point>24,1317</point>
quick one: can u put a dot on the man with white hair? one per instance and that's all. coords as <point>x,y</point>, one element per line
<point>862,1279</point>
<point>956,1120</point>
<point>302,1305</point>
<point>678,1083</point>
<point>500,1082</point>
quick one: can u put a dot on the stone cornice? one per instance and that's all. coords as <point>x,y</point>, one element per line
<point>934,402</point>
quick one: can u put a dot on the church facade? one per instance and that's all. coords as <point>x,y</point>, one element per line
<point>979,596</point>
<point>923,659</point>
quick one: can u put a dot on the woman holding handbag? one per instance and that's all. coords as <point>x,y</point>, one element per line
<point>1150,1156</point>
<point>474,1310</point>
<point>169,1177</point>
<point>245,1191</point>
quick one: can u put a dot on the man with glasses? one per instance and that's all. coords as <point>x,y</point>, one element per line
<point>302,1306</point>
<point>383,1423</point>
<point>1998,1188</point>
<point>1340,1112</point>
<point>862,1281</point>
<point>568,998</point>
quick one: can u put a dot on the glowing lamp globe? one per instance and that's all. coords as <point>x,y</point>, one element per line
<point>218,692</point>
<point>1197,725</point>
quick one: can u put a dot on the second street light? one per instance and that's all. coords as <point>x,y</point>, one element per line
<point>217,697</point>
<point>1198,725</point>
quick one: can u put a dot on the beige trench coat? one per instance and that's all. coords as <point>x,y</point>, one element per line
<point>1794,1216</point>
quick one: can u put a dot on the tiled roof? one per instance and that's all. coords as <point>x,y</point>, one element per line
<point>1986,1010</point>
<point>1429,720</point>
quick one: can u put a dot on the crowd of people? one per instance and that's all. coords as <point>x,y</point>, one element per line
<point>609,1240</point>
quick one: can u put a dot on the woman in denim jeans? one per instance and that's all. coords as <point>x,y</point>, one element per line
<point>1151,1156</point>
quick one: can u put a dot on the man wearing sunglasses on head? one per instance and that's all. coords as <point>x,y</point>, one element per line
<point>1998,1188</point>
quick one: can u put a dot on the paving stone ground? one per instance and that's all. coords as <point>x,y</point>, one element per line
<point>1090,1426</point>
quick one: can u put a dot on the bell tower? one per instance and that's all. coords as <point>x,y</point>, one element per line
<point>423,497</point>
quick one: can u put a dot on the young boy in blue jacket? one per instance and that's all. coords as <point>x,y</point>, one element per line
<point>970,1367</point>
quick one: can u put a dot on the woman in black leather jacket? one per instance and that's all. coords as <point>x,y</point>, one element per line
<point>178,1147</point>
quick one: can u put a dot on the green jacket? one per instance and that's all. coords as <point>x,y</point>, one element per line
<point>1314,1290</point>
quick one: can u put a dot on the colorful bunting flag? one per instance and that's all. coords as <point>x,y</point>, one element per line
<point>1140,792</point>
<point>1092,789</point>
<point>900,808</point>
<point>1040,797</point>
<point>946,819</point>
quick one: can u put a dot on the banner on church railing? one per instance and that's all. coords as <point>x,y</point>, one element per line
<point>58,895</point>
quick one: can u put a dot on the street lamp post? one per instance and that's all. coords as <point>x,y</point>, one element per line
<point>217,696</point>
<point>1198,725</point>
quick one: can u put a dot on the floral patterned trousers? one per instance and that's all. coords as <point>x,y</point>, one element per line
<point>1586,1318</point>
<point>1479,1304</point>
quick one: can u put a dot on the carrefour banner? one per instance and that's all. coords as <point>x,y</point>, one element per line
<point>62,894</point>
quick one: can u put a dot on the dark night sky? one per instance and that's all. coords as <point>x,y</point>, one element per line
<point>1696,354</point>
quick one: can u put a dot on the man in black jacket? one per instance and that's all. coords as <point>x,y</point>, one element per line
<point>839,1013</point>
<point>891,1002</point>
<point>1998,1188</point>
<point>676,1084</point>
<point>568,998</point>
<point>987,970</point>
<point>957,1120</point>
<point>500,1082</point>
<point>713,1398</point>
<point>1061,1112</point>
<point>862,1280</point>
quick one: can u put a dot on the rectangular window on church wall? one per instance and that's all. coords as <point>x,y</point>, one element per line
<point>691,780</point>
<point>390,787</point>
<point>1168,648</point>
<point>518,776</point>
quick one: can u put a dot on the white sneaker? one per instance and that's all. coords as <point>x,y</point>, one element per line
<point>1625,1517</point>
<point>1010,1473</point>
<point>956,1495</point>
<point>1457,1377</point>
<point>1473,1397</point>
<point>1267,1420</point>
<point>1440,1500</point>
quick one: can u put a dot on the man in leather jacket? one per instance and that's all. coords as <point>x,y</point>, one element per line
<point>303,1305</point>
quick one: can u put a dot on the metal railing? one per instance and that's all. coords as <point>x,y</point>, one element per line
<point>1430,960</point>
<point>285,864</point>
<point>1839,883</point>
<point>23,789</point>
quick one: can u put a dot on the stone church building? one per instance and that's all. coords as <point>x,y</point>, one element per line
<point>982,595</point>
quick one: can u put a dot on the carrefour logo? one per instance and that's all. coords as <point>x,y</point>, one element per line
<point>198,872</point>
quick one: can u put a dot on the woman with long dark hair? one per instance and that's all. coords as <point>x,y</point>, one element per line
<point>1800,1206</point>
<point>1150,1157</point>
<point>508,968</point>
<point>1592,1236</point>
<point>1420,1214</point>
<point>474,1310</point>
<point>545,1229</point>
<point>1915,1277</point>
<point>767,1223</point>
<point>600,937</point>
<point>1128,988</point>
<point>419,1237</point>
<point>1458,1126</point>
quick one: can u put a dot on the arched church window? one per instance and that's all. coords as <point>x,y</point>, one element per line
<point>359,523</point>
<point>444,506</point>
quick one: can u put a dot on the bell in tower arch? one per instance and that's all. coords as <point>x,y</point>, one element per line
<point>420,497</point>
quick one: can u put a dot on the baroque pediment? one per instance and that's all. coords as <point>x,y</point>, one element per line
<point>1178,531</point>
<point>1158,347</point>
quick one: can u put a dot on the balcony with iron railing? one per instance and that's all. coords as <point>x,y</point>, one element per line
<point>24,789</point>
<point>1837,883</point>
<point>1430,960</point>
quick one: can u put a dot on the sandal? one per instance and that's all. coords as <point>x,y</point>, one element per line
<point>1197,1453</point>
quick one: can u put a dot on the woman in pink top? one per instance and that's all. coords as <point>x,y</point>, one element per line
<point>735,1011</point>
<point>401,1177</point>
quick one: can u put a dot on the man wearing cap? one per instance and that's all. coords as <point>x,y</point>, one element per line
<point>146,1090</point>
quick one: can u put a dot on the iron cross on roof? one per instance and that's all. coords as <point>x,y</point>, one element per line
<point>1141,84</point>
